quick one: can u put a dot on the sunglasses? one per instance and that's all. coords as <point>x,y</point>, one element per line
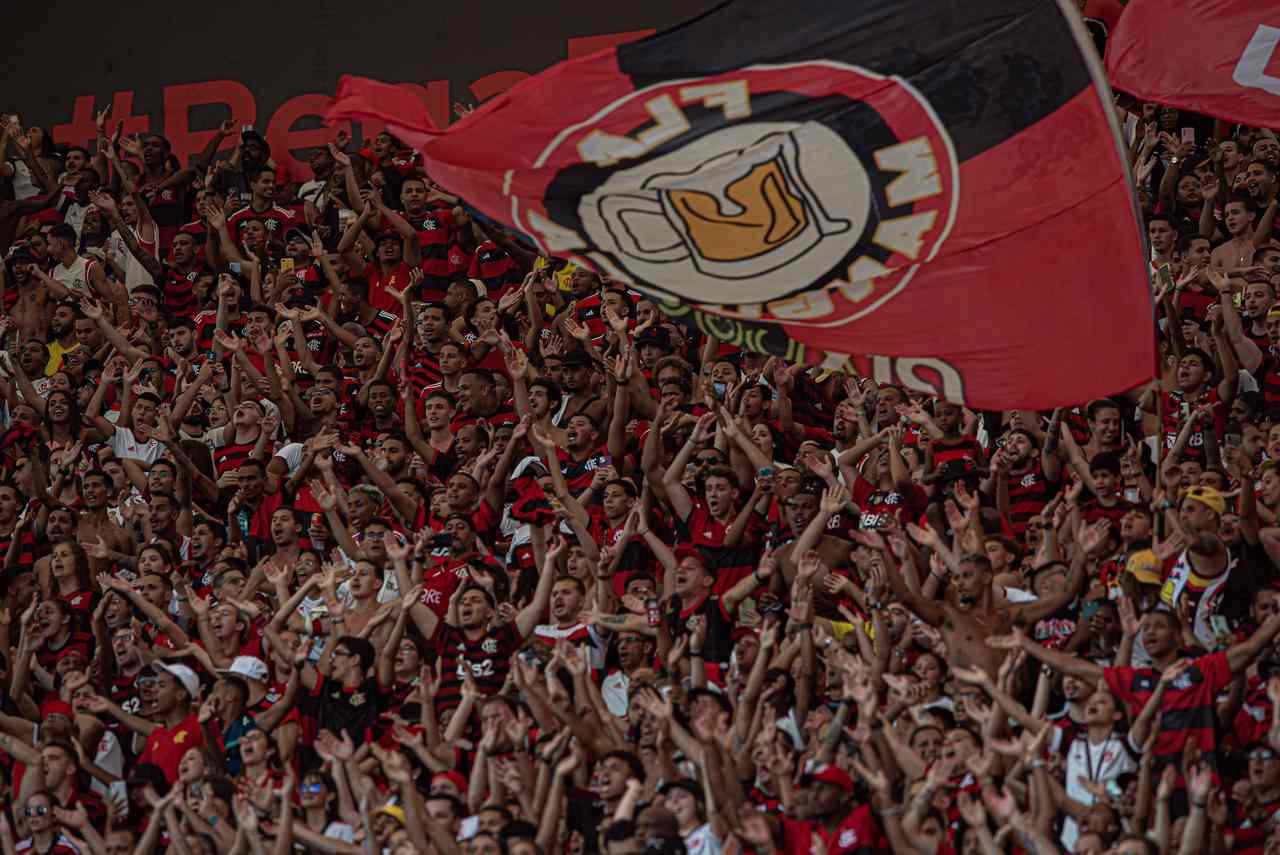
<point>311,788</point>
<point>1262,754</point>
<point>38,810</point>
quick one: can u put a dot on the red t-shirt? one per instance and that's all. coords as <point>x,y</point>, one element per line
<point>165,746</point>
<point>857,832</point>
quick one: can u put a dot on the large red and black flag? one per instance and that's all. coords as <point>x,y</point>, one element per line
<point>1217,57</point>
<point>933,187</point>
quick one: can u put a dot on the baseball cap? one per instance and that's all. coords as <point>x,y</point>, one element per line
<point>183,675</point>
<point>1145,567</point>
<point>575,358</point>
<point>56,706</point>
<point>690,786</point>
<point>454,777</point>
<point>250,667</point>
<point>827,773</point>
<point>1207,496</point>
<point>393,811</point>
<point>302,233</point>
<point>656,336</point>
<point>386,234</point>
<point>690,551</point>
<point>250,134</point>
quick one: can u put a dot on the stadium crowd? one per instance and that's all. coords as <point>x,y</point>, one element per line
<point>333,518</point>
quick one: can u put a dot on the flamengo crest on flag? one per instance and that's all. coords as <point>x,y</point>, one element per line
<point>936,183</point>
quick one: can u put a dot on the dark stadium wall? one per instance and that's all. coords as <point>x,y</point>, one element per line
<point>180,71</point>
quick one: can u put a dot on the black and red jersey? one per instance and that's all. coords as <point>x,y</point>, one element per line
<point>1188,712</point>
<point>1029,491</point>
<point>179,290</point>
<point>488,657</point>
<point>963,448</point>
<point>1178,407</point>
<point>494,267</point>
<point>276,219</point>
<point>878,506</point>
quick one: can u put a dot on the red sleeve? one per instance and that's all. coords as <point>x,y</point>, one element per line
<point>1216,670</point>
<point>861,490</point>
<point>1120,683</point>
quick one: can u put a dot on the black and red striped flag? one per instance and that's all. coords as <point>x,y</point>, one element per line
<point>935,188</point>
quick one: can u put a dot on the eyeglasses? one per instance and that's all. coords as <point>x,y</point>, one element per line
<point>38,810</point>
<point>709,460</point>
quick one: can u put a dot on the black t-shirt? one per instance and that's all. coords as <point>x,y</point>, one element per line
<point>719,641</point>
<point>334,707</point>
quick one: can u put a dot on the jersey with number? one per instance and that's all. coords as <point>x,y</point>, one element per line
<point>488,657</point>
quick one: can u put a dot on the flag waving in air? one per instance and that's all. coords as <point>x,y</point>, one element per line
<point>1217,57</point>
<point>933,188</point>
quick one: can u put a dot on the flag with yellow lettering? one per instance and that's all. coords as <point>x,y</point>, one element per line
<point>933,188</point>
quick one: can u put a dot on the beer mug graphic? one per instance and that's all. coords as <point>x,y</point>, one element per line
<point>739,214</point>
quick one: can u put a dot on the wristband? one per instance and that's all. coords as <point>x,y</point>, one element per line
<point>806,625</point>
<point>695,654</point>
<point>1200,805</point>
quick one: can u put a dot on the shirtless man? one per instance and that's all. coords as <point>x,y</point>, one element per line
<point>972,611</point>
<point>95,524</point>
<point>1239,215</point>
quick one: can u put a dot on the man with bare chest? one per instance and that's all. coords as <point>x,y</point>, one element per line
<point>972,609</point>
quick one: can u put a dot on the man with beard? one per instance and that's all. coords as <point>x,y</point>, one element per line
<point>207,540</point>
<point>125,696</point>
<point>1258,297</point>
<point>61,334</point>
<point>95,523</point>
<point>76,276</point>
<point>1023,477</point>
<point>579,396</point>
<point>970,612</point>
<point>568,597</point>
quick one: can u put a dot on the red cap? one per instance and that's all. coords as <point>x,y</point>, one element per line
<point>688,550</point>
<point>829,773</point>
<point>456,777</point>
<point>55,706</point>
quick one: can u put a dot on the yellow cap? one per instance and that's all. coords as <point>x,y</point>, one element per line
<point>1145,567</point>
<point>393,810</point>
<point>1207,496</point>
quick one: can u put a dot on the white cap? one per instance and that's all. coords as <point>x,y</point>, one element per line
<point>183,675</point>
<point>250,667</point>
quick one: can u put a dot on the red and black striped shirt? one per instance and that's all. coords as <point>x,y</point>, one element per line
<point>488,657</point>
<point>1188,711</point>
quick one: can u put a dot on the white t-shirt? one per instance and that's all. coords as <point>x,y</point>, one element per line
<point>126,446</point>
<point>1100,763</point>
<point>75,278</point>
<point>134,273</point>
<point>703,841</point>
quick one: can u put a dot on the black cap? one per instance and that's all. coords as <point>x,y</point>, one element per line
<point>302,232</point>
<point>250,134</point>
<point>22,255</point>
<point>656,336</point>
<point>575,359</point>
